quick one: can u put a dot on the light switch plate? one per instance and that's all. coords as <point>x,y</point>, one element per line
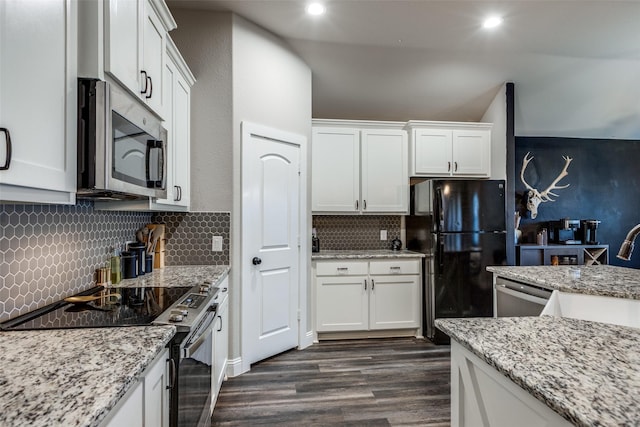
<point>216,243</point>
<point>383,234</point>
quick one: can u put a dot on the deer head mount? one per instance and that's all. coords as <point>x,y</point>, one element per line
<point>536,197</point>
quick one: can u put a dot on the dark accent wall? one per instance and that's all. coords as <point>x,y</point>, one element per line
<point>604,185</point>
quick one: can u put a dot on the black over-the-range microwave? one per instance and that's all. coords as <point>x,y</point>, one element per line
<point>121,144</point>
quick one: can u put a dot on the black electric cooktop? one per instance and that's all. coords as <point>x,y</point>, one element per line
<point>131,307</point>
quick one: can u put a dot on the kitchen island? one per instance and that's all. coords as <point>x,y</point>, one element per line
<point>555,370</point>
<point>599,280</point>
<point>585,372</point>
<point>72,377</point>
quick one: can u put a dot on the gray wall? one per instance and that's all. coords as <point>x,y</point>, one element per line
<point>243,73</point>
<point>204,40</point>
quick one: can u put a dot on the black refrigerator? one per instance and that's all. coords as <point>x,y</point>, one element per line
<point>460,226</point>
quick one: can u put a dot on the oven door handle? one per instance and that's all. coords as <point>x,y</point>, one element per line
<point>522,295</point>
<point>193,346</point>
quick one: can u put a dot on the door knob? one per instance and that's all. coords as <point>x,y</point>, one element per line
<point>256,260</point>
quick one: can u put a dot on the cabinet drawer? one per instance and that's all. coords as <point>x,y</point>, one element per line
<point>341,268</point>
<point>395,267</point>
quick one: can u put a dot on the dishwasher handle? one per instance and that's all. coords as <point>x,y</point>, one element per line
<point>521,294</point>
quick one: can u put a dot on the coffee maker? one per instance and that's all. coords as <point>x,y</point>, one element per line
<point>588,228</point>
<point>566,231</point>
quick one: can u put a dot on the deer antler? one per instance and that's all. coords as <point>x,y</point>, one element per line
<point>525,163</point>
<point>546,194</point>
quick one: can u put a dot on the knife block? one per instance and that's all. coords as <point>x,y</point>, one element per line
<point>158,255</point>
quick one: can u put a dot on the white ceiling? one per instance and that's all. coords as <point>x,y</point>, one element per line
<point>575,64</point>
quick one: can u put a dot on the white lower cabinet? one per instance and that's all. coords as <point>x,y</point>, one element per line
<point>367,295</point>
<point>146,404</point>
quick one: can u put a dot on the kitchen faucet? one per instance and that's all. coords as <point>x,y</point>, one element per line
<point>627,246</point>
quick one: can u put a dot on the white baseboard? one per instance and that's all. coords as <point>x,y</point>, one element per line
<point>234,367</point>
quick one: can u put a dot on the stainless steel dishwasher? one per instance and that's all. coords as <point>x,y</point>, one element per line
<point>516,299</point>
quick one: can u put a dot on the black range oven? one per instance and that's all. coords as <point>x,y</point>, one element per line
<point>190,309</point>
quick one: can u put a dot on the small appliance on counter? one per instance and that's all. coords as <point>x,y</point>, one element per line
<point>588,228</point>
<point>315,242</point>
<point>396,244</point>
<point>565,231</point>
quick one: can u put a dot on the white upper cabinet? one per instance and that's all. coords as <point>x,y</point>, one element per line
<point>359,167</point>
<point>38,101</point>
<point>449,149</point>
<point>385,178</point>
<point>177,89</point>
<point>335,159</point>
<point>125,40</point>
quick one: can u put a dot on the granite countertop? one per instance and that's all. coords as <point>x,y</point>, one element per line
<point>365,254</point>
<point>171,276</point>
<point>602,280</point>
<point>585,371</point>
<point>72,377</point>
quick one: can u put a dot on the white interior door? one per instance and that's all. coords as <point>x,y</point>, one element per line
<point>270,241</point>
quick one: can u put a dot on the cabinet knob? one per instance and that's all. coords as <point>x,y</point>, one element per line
<point>256,261</point>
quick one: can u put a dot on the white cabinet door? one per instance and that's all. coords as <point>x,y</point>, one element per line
<point>181,155</point>
<point>472,152</point>
<point>432,152</point>
<point>130,410</point>
<point>385,178</point>
<point>122,42</point>
<point>156,393</point>
<point>177,106</point>
<point>395,302</point>
<point>335,159</point>
<point>220,346</point>
<point>342,303</point>
<point>38,98</point>
<point>153,58</point>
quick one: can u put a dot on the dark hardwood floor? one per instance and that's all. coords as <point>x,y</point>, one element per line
<point>376,382</point>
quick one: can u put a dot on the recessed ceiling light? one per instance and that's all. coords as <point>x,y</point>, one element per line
<point>316,9</point>
<point>492,22</point>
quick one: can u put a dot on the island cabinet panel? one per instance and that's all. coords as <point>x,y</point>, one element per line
<point>365,296</point>
<point>483,397</point>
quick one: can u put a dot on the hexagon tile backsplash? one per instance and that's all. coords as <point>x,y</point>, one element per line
<point>48,252</point>
<point>356,232</point>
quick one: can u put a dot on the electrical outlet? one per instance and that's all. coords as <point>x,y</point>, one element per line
<point>383,234</point>
<point>216,243</point>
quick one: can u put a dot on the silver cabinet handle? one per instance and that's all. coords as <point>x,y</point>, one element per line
<point>364,203</point>
<point>365,284</point>
<point>373,284</point>
<point>455,168</point>
<point>343,270</point>
<point>356,205</point>
<point>395,269</point>
<point>448,166</point>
